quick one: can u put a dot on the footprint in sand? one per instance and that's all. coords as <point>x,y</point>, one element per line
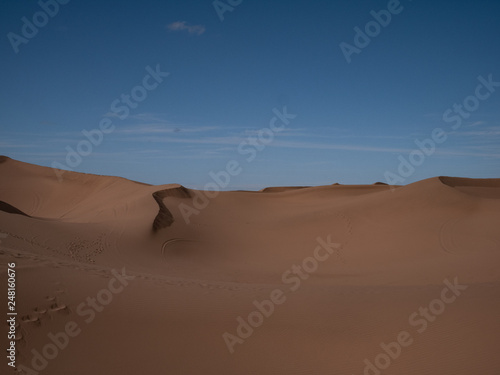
<point>40,315</point>
<point>40,311</point>
<point>59,307</point>
<point>84,250</point>
<point>31,319</point>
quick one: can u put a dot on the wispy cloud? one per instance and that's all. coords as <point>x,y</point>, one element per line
<point>184,26</point>
<point>485,132</point>
<point>235,140</point>
<point>158,129</point>
<point>477,123</point>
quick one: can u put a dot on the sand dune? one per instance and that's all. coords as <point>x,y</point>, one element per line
<point>355,264</point>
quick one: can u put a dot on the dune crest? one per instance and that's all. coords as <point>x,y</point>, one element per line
<point>478,187</point>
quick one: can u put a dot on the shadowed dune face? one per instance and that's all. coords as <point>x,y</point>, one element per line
<point>164,218</point>
<point>280,189</point>
<point>5,207</point>
<point>485,188</point>
<point>472,182</point>
<point>352,262</point>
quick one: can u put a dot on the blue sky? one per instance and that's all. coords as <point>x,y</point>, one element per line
<point>354,121</point>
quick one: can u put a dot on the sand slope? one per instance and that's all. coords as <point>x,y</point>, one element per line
<point>388,252</point>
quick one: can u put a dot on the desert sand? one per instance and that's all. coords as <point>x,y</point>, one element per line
<point>113,277</point>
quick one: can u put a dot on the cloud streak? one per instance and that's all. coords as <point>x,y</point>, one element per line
<point>184,26</point>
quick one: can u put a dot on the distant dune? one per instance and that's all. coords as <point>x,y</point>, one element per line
<point>357,266</point>
<point>280,189</point>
